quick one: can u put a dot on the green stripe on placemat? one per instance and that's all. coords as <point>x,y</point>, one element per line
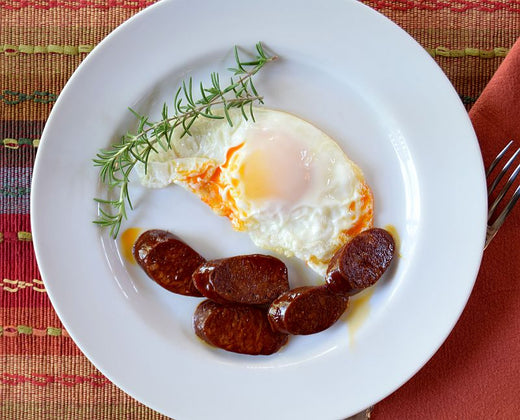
<point>11,97</point>
<point>46,49</point>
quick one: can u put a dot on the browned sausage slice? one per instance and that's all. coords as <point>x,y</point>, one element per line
<point>147,240</point>
<point>168,261</point>
<point>249,279</point>
<point>306,310</point>
<point>237,328</point>
<point>360,262</point>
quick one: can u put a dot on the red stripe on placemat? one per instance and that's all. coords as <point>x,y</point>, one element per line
<point>26,317</point>
<point>459,6</point>
<point>399,5</point>
<point>21,129</point>
<point>19,156</point>
<point>14,223</point>
<point>24,297</point>
<point>75,5</point>
<point>42,379</point>
<point>32,345</point>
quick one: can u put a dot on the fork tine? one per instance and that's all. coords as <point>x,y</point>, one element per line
<point>504,190</point>
<point>497,159</point>
<point>493,229</point>
<point>503,171</point>
<point>500,219</point>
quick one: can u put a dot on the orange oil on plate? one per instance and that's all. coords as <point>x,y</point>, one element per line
<point>359,309</point>
<point>393,231</point>
<point>128,238</point>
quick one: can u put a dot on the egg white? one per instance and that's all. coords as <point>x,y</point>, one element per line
<point>279,178</point>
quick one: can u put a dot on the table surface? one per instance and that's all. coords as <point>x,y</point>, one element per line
<point>43,373</point>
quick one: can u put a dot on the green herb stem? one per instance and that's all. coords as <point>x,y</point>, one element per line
<point>117,162</point>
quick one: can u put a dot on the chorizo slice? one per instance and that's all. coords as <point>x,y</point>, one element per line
<point>360,262</point>
<point>147,240</point>
<point>306,310</point>
<point>168,261</point>
<point>237,328</point>
<point>249,279</point>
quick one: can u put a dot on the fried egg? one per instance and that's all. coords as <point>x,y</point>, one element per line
<point>278,178</point>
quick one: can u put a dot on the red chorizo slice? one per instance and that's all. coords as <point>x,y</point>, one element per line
<point>168,261</point>
<point>249,279</point>
<point>147,240</point>
<point>306,310</point>
<point>360,262</point>
<point>237,328</point>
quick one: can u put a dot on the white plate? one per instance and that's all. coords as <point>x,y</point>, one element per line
<point>358,77</point>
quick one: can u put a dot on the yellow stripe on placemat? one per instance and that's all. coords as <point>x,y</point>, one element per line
<point>13,286</point>
<point>13,236</point>
<point>85,49</point>
<point>468,52</point>
<point>24,236</point>
<point>9,49</point>
<point>16,143</point>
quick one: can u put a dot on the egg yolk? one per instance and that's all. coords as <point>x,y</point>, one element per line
<point>254,173</point>
<point>276,170</point>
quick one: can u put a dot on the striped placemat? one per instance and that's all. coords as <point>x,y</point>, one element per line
<point>43,374</point>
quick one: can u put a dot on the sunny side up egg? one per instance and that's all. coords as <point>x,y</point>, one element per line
<point>278,178</point>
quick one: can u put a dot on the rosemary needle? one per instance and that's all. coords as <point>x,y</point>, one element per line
<point>117,162</point>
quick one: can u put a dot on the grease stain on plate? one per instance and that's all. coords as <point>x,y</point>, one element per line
<point>358,312</point>
<point>128,238</point>
<point>393,231</point>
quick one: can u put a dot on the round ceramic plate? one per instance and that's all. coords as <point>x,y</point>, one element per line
<point>358,77</point>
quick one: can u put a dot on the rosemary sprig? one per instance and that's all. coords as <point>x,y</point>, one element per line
<point>117,162</point>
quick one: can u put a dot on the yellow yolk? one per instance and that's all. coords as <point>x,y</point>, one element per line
<point>258,182</point>
<point>275,172</point>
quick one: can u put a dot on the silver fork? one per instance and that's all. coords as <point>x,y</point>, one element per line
<point>495,222</point>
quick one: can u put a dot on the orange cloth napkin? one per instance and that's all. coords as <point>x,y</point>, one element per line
<point>476,373</point>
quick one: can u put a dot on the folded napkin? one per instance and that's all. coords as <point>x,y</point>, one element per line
<point>476,373</point>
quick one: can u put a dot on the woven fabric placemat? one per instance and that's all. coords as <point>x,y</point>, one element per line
<point>43,374</point>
